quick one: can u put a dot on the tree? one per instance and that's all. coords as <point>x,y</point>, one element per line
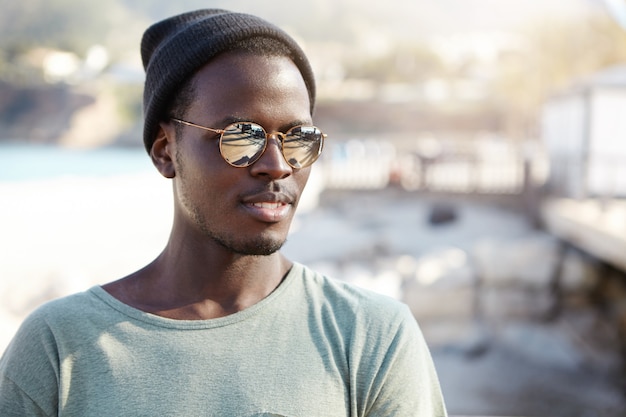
<point>557,54</point>
<point>63,24</point>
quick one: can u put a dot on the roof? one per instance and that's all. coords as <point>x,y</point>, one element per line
<point>611,77</point>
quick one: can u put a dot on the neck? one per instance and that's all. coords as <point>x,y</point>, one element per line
<point>185,283</point>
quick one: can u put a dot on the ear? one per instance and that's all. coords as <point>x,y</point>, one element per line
<point>163,150</point>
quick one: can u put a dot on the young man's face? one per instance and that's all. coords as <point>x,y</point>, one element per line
<point>245,210</point>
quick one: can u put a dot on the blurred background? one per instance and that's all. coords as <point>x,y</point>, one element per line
<point>475,169</point>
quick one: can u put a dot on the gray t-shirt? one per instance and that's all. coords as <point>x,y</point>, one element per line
<point>314,347</point>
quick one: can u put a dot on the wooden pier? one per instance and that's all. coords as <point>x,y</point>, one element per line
<point>595,226</point>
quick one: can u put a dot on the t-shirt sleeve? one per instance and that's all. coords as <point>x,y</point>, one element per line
<point>403,381</point>
<point>15,402</point>
<point>28,371</point>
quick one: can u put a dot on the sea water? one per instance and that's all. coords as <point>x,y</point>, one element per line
<point>70,219</point>
<point>27,162</point>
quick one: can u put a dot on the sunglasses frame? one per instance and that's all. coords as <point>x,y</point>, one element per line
<point>280,136</point>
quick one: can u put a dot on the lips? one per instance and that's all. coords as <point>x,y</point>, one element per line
<point>269,207</point>
<point>272,206</point>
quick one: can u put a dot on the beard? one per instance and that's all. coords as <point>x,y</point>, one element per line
<point>258,245</point>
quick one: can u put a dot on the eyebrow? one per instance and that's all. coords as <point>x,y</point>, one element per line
<point>236,119</point>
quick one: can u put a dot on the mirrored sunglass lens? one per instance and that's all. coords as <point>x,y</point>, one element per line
<point>302,146</point>
<point>242,143</point>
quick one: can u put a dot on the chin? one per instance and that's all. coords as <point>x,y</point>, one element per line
<point>264,243</point>
<point>259,246</point>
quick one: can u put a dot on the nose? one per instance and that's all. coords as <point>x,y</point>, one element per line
<point>272,163</point>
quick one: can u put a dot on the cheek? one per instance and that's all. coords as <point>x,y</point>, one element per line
<point>202,162</point>
<point>203,174</point>
<point>302,177</point>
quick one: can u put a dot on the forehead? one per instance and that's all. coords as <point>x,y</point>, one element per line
<point>248,85</point>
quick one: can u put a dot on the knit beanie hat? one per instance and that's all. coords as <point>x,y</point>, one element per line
<point>174,49</point>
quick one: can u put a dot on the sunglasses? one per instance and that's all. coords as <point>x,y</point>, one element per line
<point>243,143</point>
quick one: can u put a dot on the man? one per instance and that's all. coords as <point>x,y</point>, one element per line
<point>220,323</point>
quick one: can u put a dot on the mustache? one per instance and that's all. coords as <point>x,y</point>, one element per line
<point>273,187</point>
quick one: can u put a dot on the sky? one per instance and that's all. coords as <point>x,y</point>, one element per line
<point>415,17</point>
<point>406,18</point>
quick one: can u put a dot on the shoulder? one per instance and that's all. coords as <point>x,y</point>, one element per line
<point>54,318</point>
<point>31,364</point>
<point>63,309</point>
<point>351,300</point>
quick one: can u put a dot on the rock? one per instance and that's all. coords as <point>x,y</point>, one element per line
<point>442,214</point>
<point>528,262</point>
<point>503,303</point>
<point>442,285</point>
<point>579,272</point>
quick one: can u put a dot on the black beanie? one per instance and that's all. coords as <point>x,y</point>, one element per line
<point>174,49</point>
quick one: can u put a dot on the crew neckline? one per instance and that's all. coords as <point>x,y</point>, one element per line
<point>166,322</point>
